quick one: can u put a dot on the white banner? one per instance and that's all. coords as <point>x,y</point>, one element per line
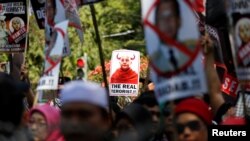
<point>172,37</point>
<point>124,73</point>
<point>49,81</point>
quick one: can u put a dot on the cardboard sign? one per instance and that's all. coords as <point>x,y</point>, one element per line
<point>53,56</point>
<point>172,37</point>
<point>124,73</point>
<point>38,7</point>
<point>13,27</point>
<point>240,23</point>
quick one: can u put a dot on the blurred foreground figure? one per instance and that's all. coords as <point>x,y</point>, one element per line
<point>192,117</point>
<point>148,101</point>
<point>134,123</point>
<point>84,112</point>
<point>44,123</point>
<point>12,108</point>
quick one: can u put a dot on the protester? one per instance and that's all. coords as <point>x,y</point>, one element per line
<point>85,114</point>
<point>134,123</point>
<point>12,108</point>
<point>44,123</point>
<point>148,101</point>
<point>125,74</point>
<point>192,118</point>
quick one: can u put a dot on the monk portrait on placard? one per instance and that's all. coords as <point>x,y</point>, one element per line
<point>124,74</point>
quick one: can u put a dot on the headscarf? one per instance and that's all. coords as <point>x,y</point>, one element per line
<point>52,117</point>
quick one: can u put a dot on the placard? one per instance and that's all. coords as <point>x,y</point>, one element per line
<point>53,57</point>
<point>240,27</point>
<point>13,27</point>
<point>124,73</point>
<point>172,37</point>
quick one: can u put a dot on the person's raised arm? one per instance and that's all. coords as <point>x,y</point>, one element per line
<point>213,81</point>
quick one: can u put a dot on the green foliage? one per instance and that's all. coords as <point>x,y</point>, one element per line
<point>112,16</point>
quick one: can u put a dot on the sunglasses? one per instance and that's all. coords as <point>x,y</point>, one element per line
<point>193,125</point>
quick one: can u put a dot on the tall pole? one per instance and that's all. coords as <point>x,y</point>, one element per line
<point>98,40</point>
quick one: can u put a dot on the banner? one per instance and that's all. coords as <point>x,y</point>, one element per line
<point>124,73</point>
<point>73,17</point>
<point>38,7</point>
<point>53,57</point>
<point>240,23</point>
<point>13,25</point>
<point>172,37</point>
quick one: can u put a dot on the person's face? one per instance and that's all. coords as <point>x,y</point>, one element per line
<point>79,112</point>
<point>16,24</point>
<point>168,21</point>
<point>191,128</point>
<point>244,32</point>
<point>125,63</point>
<point>125,128</point>
<point>155,113</point>
<point>38,126</point>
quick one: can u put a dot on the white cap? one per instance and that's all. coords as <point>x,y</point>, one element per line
<point>84,91</point>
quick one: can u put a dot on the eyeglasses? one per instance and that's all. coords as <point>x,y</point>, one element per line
<point>193,125</point>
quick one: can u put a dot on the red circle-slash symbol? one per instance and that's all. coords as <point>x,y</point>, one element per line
<point>173,43</point>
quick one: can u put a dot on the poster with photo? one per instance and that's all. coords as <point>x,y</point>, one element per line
<point>172,38</point>
<point>240,27</point>
<point>13,26</point>
<point>55,13</point>
<point>53,57</point>
<point>124,73</point>
<point>38,7</point>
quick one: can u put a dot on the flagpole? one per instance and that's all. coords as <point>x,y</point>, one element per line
<point>98,41</point>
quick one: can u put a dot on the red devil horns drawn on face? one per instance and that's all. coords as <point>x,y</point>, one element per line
<point>133,57</point>
<point>119,58</point>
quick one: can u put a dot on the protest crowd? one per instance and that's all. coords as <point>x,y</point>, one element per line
<point>83,110</point>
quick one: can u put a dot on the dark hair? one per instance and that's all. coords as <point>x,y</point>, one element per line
<point>147,98</point>
<point>11,100</point>
<point>176,7</point>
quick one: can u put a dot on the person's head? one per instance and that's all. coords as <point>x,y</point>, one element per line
<point>243,27</point>
<point>134,123</point>
<point>148,100</point>
<point>84,109</point>
<point>192,117</point>
<point>44,123</point>
<point>168,18</point>
<point>125,61</point>
<point>16,23</point>
<point>11,104</point>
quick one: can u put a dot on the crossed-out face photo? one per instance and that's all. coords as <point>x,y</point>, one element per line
<point>177,34</point>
